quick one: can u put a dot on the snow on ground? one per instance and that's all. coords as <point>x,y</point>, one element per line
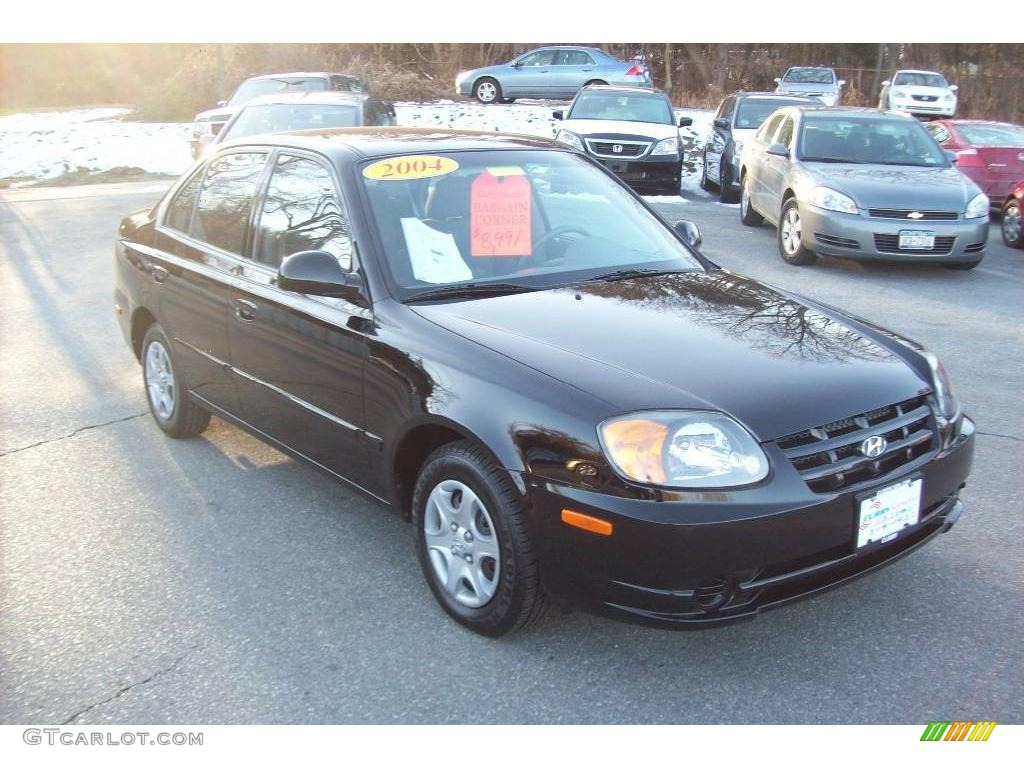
<point>45,145</point>
<point>40,146</point>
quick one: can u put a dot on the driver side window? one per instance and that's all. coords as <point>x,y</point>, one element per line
<point>537,59</point>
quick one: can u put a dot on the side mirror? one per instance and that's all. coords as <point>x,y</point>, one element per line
<point>685,122</point>
<point>722,123</point>
<point>954,87</point>
<point>951,156</point>
<point>779,150</point>
<point>841,83</point>
<point>318,273</point>
<point>222,103</point>
<point>886,83</point>
<point>689,231</point>
<point>558,114</point>
<point>516,64</point>
<point>778,80</point>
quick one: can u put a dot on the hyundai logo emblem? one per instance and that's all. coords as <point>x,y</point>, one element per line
<point>915,215</point>
<point>874,446</point>
<point>617,148</point>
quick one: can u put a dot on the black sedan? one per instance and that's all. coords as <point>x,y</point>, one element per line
<point>499,340</point>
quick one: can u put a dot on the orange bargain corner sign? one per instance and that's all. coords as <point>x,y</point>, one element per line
<point>499,212</point>
<point>958,730</point>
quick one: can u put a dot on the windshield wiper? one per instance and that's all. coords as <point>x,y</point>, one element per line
<point>625,274</point>
<point>472,289</point>
<point>829,160</point>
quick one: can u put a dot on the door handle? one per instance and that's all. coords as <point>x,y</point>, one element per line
<point>245,310</point>
<point>159,273</point>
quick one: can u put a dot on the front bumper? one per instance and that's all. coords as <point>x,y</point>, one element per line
<point>859,236</point>
<point>646,172</point>
<point>935,108</point>
<point>720,556</point>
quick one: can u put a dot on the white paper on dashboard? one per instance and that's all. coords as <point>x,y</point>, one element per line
<point>434,256</point>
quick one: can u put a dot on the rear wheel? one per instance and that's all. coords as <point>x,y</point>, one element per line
<point>791,236</point>
<point>748,215</point>
<point>169,403</point>
<point>472,541</point>
<point>1011,225</point>
<point>487,91</point>
<point>594,82</point>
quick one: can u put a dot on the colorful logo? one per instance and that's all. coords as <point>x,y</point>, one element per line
<point>958,730</point>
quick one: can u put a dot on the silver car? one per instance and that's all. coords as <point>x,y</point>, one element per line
<point>554,72</point>
<point>819,82</point>
<point>861,184</point>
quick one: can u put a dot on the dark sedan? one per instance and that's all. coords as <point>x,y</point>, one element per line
<point>499,340</point>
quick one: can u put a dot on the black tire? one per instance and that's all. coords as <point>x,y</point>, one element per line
<point>794,251</point>
<point>594,82</point>
<point>491,91</point>
<point>506,100</point>
<point>705,183</point>
<point>961,266</point>
<point>726,194</point>
<point>748,215</point>
<point>1011,222</point>
<point>518,598</point>
<point>186,419</point>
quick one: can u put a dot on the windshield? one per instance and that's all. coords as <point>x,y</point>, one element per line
<point>1004,135</point>
<point>809,75</point>
<point>265,86</point>
<point>932,79</point>
<point>866,140</point>
<point>752,112</point>
<point>634,107</point>
<point>276,118</point>
<point>533,219</point>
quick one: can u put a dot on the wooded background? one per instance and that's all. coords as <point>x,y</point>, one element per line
<point>174,81</point>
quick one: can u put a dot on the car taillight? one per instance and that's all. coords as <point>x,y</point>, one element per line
<point>634,71</point>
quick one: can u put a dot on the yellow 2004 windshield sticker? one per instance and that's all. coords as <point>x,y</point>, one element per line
<point>410,167</point>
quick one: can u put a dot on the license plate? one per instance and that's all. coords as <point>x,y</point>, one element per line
<point>888,511</point>
<point>912,240</point>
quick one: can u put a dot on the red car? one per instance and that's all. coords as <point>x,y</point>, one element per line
<point>1011,224</point>
<point>990,153</point>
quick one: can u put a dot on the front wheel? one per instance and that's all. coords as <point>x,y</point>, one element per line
<point>726,194</point>
<point>1011,225</point>
<point>172,410</point>
<point>791,236</point>
<point>472,542</point>
<point>487,90</point>
<point>705,182</point>
<point>748,215</point>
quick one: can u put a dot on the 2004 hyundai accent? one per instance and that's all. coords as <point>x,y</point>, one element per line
<point>497,338</point>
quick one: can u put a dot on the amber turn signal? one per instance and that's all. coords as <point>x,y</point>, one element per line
<point>586,522</point>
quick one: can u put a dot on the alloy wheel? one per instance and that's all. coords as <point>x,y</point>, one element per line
<point>1011,224</point>
<point>160,380</point>
<point>486,92</point>
<point>791,231</point>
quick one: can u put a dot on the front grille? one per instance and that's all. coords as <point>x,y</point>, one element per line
<point>829,458</point>
<point>836,242</point>
<point>628,148</point>
<point>925,98</point>
<point>891,244</point>
<point>975,248</point>
<point>898,213</point>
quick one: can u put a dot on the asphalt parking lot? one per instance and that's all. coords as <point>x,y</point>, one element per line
<point>146,580</point>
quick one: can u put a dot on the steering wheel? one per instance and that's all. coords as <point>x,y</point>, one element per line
<point>547,237</point>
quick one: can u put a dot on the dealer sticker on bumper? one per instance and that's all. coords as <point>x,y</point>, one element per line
<point>888,511</point>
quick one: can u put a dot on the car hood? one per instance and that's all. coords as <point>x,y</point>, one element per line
<point>699,340</point>
<point>807,88</point>
<point>922,90</point>
<point>892,186</point>
<point>218,115</point>
<point>620,128</point>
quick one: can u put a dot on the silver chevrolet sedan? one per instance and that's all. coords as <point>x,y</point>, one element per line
<point>860,184</point>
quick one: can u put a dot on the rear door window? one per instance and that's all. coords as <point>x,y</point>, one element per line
<point>225,202</point>
<point>179,212</point>
<point>785,135</point>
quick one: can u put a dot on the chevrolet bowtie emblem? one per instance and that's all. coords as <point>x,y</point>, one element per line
<point>915,215</point>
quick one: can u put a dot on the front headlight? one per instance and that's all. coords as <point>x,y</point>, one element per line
<point>949,406</point>
<point>570,138</point>
<point>978,207</point>
<point>898,94</point>
<point>460,78</point>
<point>669,146</point>
<point>683,449</point>
<point>948,97</point>
<point>830,200</point>
<point>202,128</point>
<point>738,147</point>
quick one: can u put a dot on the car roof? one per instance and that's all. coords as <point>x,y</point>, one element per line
<point>917,72</point>
<point>623,89</point>
<point>377,141</point>
<point>307,97</point>
<point>868,112</point>
<point>772,95</point>
<point>276,75</point>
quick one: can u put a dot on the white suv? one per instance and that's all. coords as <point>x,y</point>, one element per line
<point>919,93</point>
